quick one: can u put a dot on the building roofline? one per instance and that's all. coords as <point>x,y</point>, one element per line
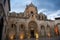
<point>57,18</point>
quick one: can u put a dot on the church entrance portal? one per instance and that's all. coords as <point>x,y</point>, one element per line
<point>32,33</point>
<point>32,29</point>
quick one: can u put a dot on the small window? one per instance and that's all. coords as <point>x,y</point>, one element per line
<point>32,13</point>
<point>21,26</point>
<point>12,25</point>
<point>48,26</point>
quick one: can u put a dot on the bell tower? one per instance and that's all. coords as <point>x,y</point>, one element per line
<point>31,10</point>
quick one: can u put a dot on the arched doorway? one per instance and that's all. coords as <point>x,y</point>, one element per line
<point>22,31</point>
<point>32,33</point>
<point>56,30</point>
<point>42,31</point>
<point>11,32</point>
<point>32,26</point>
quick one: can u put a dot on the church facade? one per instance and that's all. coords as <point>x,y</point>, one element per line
<point>30,24</point>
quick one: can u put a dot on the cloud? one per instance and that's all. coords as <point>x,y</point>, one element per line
<point>19,5</point>
<point>42,10</point>
<point>41,4</point>
<point>51,8</point>
<point>50,14</point>
<point>28,1</point>
<point>54,14</point>
<point>47,4</point>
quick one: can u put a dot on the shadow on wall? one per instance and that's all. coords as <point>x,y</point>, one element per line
<point>1,26</point>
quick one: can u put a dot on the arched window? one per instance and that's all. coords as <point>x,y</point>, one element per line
<point>22,26</point>
<point>58,24</point>
<point>42,27</point>
<point>48,26</point>
<point>13,26</point>
<point>56,29</point>
<point>32,13</point>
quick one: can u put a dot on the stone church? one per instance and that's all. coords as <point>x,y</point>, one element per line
<point>29,24</point>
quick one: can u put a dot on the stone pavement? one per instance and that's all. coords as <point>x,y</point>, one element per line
<point>45,38</point>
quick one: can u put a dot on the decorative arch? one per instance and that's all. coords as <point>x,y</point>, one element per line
<point>56,29</point>
<point>42,31</point>
<point>22,31</point>
<point>43,27</point>
<point>48,26</point>
<point>32,24</point>
<point>21,27</point>
<point>32,29</point>
<point>31,10</point>
<point>58,24</point>
<point>13,26</point>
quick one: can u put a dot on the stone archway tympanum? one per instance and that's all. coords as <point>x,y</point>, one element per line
<point>32,27</point>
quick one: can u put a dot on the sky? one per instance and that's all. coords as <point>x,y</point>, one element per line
<point>51,8</point>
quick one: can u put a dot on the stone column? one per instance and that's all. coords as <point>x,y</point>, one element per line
<point>26,30</point>
<point>3,30</point>
<point>38,29</point>
<point>17,31</point>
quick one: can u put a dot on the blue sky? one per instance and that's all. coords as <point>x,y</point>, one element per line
<point>51,8</point>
